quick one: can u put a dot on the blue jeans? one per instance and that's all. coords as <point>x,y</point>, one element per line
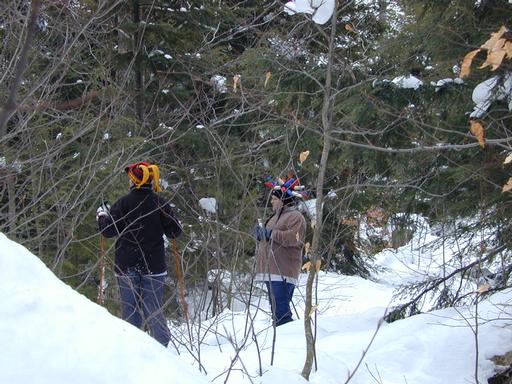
<point>142,295</point>
<point>280,295</point>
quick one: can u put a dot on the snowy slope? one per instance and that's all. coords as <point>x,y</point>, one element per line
<point>51,334</point>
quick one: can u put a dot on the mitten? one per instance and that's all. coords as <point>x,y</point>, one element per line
<point>103,210</point>
<point>262,233</point>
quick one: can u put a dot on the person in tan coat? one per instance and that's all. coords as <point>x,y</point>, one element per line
<point>279,255</point>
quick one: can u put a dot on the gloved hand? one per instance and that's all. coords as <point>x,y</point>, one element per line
<point>103,210</point>
<point>262,233</point>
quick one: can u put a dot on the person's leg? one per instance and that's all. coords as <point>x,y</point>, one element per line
<point>130,290</point>
<point>271,299</point>
<point>152,298</point>
<point>280,294</point>
<point>290,288</point>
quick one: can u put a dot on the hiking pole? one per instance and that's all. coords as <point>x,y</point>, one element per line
<point>100,298</point>
<point>181,281</point>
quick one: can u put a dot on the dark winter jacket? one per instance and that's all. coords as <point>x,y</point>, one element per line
<point>140,219</point>
<point>281,257</point>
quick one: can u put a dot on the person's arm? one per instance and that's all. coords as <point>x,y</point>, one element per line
<point>172,226</point>
<point>111,224</point>
<point>293,235</point>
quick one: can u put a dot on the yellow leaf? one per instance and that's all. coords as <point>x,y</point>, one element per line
<point>495,37</point>
<point>483,288</point>
<point>495,55</point>
<point>303,156</point>
<point>478,131</point>
<point>236,81</point>
<point>507,187</point>
<point>466,63</point>
<point>268,76</point>
<point>508,159</point>
<point>350,27</point>
<point>307,266</point>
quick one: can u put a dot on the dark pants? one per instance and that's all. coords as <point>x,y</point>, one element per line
<point>280,295</point>
<point>142,296</point>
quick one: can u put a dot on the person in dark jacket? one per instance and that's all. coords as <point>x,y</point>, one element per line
<point>279,257</point>
<point>139,220</point>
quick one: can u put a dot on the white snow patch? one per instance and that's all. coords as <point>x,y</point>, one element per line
<point>219,83</point>
<point>209,204</point>
<point>408,82</point>
<point>321,10</point>
<point>490,90</point>
<point>439,84</point>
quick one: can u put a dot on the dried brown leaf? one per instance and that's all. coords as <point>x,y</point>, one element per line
<point>507,187</point>
<point>508,159</point>
<point>483,288</point>
<point>268,76</point>
<point>477,129</point>
<point>303,156</point>
<point>349,221</point>
<point>466,63</point>
<point>508,49</point>
<point>495,55</point>
<point>307,266</point>
<point>236,82</point>
<point>350,27</point>
<point>495,37</point>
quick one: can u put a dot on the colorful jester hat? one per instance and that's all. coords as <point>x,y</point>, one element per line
<point>286,188</point>
<point>144,172</point>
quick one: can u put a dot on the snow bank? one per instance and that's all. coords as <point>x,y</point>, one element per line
<point>51,334</point>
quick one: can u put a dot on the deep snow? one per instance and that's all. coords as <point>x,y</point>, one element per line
<point>51,334</point>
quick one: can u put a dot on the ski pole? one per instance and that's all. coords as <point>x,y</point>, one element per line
<point>100,298</point>
<point>181,282</point>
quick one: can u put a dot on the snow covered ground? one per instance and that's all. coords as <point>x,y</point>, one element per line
<point>51,334</point>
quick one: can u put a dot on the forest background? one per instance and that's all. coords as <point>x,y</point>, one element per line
<point>223,94</point>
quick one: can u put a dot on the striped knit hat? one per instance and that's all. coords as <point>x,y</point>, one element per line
<point>144,172</point>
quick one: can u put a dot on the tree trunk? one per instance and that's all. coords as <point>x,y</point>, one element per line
<point>139,84</point>
<point>10,105</point>
<point>317,232</point>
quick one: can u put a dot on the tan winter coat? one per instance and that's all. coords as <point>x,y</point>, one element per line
<point>281,257</point>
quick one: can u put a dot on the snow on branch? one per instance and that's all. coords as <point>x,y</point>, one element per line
<point>321,10</point>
